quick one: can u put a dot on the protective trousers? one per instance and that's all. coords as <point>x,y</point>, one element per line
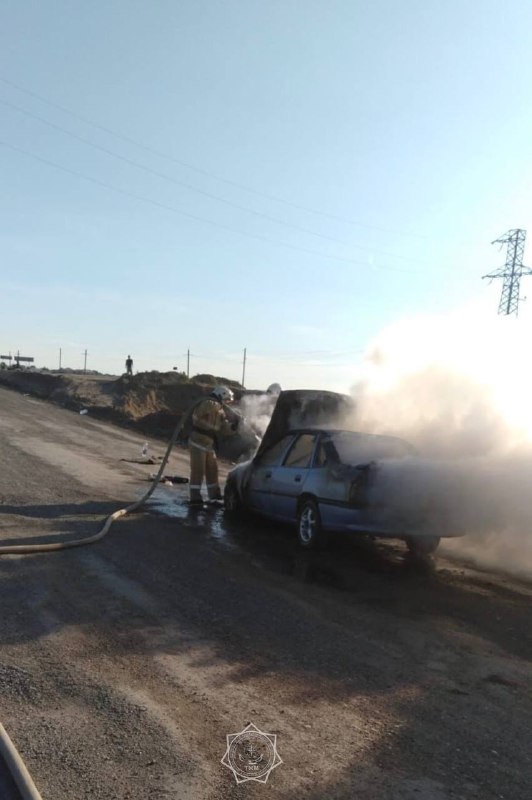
<point>203,465</point>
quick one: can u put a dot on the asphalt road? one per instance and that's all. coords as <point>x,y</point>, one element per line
<point>124,666</point>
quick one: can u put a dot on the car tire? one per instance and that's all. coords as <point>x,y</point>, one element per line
<point>422,545</point>
<point>310,532</point>
<point>233,504</point>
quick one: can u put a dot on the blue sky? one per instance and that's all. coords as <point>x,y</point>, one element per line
<point>289,177</point>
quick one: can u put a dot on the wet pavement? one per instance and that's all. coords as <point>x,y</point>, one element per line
<point>273,546</point>
<point>126,665</point>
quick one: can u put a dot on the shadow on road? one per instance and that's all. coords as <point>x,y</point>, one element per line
<point>360,621</point>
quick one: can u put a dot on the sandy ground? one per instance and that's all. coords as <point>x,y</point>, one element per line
<point>123,666</point>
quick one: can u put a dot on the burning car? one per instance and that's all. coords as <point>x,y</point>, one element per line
<point>312,471</point>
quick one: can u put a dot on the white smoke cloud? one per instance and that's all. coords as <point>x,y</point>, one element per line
<point>458,387</point>
<point>257,410</point>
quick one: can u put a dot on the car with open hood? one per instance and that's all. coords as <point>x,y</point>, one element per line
<point>311,469</point>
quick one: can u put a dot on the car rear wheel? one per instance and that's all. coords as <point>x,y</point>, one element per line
<point>309,529</point>
<point>232,500</point>
<point>422,545</point>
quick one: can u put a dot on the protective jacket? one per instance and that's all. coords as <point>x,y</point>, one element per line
<point>208,422</point>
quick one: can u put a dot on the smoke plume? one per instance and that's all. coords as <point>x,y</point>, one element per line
<point>257,409</point>
<point>457,388</point>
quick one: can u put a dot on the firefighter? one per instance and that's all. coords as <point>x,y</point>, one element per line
<point>209,420</point>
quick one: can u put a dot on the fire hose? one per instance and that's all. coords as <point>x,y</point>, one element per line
<point>8,751</point>
<point>21,549</point>
<point>13,760</point>
<point>17,768</point>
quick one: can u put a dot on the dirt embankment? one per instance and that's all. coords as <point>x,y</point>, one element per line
<point>149,402</point>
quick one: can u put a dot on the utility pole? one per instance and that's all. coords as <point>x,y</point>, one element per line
<point>244,367</point>
<point>512,272</point>
<point>59,359</point>
<point>188,363</point>
<point>85,361</point>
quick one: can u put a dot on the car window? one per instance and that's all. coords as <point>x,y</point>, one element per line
<point>326,454</point>
<point>300,453</point>
<point>357,448</point>
<point>321,458</point>
<point>272,456</point>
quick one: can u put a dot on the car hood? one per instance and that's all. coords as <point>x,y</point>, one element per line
<point>305,408</point>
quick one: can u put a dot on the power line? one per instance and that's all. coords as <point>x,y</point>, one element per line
<point>306,354</point>
<point>307,357</point>
<point>275,356</point>
<point>208,173</point>
<point>196,217</point>
<point>512,272</point>
<point>214,357</point>
<point>169,178</point>
<point>190,187</point>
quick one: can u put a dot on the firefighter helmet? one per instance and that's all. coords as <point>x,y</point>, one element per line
<point>223,394</point>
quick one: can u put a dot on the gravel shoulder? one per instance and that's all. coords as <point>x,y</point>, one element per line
<point>123,666</point>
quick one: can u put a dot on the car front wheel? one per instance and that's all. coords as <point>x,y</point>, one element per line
<point>422,545</point>
<point>309,529</point>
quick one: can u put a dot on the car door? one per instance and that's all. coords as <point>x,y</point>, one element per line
<point>288,480</point>
<point>258,491</point>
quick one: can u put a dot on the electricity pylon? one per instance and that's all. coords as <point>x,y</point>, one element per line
<point>512,272</point>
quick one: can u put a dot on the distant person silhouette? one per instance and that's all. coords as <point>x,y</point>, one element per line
<point>129,366</point>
